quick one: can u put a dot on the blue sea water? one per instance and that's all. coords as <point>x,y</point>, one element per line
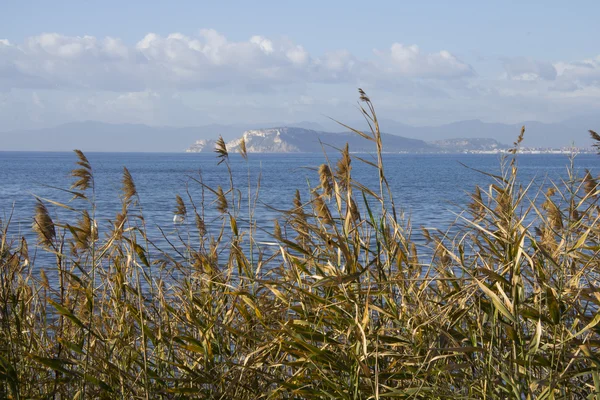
<point>429,188</point>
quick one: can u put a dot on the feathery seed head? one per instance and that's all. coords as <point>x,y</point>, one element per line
<point>243,150</point>
<point>596,138</point>
<point>221,150</point>
<point>590,185</point>
<point>322,211</point>
<point>343,168</point>
<point>200,225</point>
<point>128,189</point>
<point>221,201</point>
<point>84,178</point>
<point>326,179</point>
<point>180,209</point>
<point>43,225</point>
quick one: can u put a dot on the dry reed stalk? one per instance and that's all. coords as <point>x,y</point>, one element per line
<point>505,308</point>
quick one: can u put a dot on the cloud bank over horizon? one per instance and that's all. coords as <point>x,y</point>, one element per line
<point>206,61</point>
<point>179,79</point>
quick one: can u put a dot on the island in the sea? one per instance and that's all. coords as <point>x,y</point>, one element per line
<point>299,140</point>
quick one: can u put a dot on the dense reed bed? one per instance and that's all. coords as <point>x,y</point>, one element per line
<point>340,303</point>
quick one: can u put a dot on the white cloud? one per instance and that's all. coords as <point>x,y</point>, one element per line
<point>305,100</point>
<point>265,44</point>
<point>35,98</point>
<point>164,79</point>
<point>409,61</point>
<point>142,100</point>
<point>206,60</point>
<point>579,74</point>
<point>557,77</point>
<point>297,55</point>
<point>24,109</point>
<point>528,69</point>
<point>338,66</point>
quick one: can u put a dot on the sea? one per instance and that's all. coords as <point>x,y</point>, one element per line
<point>431,190</point>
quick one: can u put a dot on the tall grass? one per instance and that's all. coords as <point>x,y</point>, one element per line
<point>346,307</point>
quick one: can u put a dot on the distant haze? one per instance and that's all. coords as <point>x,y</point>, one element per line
<point>103,137</point>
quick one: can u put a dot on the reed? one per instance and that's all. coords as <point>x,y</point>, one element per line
<point>340,303</point>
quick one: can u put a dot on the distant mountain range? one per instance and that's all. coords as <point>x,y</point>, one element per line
<point>537,134</point>
<point>294,140</point>
<point>99,136</point>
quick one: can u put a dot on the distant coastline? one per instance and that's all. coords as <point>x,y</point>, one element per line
<point>299,140</point>
<point>95,136</point>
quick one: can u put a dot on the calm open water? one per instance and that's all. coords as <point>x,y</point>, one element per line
<point>428,187</point>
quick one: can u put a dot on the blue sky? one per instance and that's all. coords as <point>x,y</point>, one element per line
<point>192,62</point>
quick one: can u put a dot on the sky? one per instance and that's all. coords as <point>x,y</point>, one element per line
<point>186,63</point>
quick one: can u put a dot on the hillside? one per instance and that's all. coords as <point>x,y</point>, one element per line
<point>105,137</point>
<point>298,140</point>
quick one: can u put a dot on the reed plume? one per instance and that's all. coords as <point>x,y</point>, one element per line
<point>84,176</point>
<point>354,212</point>
<point>128,186</point>
<point>322,211</point>
<point>476,206</point>
<point>343,168</point>
<point>326,179</point>
<point>297,212</point>
<point>43,225</point>
<point>222,204</point>
<point>596,138</point>
<point>119,222</point>
<point>243,150</point>
<point>503,202</point>
<point>277,230</point>
<point>298,206</point>
<point>363,96</point>
<point>86,231</point>
<point>180,208</point>
<point>517,143</point>
<point>200,226</point>
<point>554,215</point>
<point>221,150</point>
<point>590,186</point>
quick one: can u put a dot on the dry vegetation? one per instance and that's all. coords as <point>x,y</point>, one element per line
<point>346,309</point>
